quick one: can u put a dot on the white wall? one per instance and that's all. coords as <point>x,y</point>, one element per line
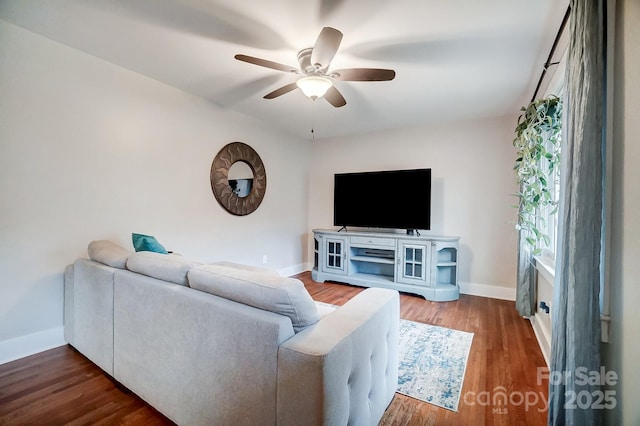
<point>472,179</point>
<point>621,353</point>
<point>89,151</point>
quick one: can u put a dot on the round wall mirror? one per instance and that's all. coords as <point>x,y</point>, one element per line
<point>238,178</point>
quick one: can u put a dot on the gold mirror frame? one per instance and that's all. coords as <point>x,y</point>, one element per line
<point>219,176</point>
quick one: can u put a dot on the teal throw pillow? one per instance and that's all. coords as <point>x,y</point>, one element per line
<point>143,242</point>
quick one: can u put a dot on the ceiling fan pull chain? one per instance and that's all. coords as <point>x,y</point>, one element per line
<point>313,119</point>
<point>313,133</point>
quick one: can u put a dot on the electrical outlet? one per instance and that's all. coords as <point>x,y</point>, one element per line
<point>264,259</point>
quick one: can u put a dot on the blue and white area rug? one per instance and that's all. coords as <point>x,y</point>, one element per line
<point>432,361</point>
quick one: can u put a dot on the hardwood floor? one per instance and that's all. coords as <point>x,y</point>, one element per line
<point>61,386</point>
<point>503,361</point>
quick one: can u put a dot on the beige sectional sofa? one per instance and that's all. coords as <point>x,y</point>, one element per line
<point>227,344</point>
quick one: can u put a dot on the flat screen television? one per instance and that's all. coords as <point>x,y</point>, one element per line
<point>399,199</point>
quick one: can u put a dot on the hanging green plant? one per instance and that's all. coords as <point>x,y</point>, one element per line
<point>537,145</point>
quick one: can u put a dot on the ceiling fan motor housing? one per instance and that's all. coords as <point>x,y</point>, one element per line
<point>304,59</point>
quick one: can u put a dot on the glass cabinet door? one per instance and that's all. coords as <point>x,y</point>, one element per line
<point>412,263</point>
<point>334,255</point>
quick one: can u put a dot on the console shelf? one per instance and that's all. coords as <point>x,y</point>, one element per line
<point>372,259</point>
<point>423,265</point>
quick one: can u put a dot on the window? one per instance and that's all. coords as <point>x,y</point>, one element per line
<point>550,217</point>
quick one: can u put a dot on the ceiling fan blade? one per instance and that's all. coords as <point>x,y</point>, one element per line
<point>281,91</point>
<point>334,97</point>
<point>363,74</point>
<point>326,47</point>
<point>266,64</point>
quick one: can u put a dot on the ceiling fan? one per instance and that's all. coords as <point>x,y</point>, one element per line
<point>317,80</point>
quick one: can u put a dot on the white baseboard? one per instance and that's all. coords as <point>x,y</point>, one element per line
<point>491,291</point>
<point>544,340</point>
<point>472,289</point>
<point>296,269</point>
<point>23,346</point>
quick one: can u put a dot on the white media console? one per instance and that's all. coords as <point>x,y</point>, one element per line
<point>423,265</point>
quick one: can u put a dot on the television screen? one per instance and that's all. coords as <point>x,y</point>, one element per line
<point>399,199</point>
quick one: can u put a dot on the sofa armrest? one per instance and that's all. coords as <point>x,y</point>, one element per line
<point>344,369</point>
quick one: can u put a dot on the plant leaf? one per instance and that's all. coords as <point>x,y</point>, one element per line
<point>537,146</point>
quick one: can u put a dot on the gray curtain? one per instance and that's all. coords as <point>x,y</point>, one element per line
<point>575,342</point>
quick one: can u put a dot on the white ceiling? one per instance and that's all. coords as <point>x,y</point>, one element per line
<point>454,59</point>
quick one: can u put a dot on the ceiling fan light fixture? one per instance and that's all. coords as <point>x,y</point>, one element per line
<point>314,86</point>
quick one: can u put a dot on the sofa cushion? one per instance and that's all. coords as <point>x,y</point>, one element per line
<point>108,253</point>
<point>167,267</point>
<point>246,267</point>
<point>143,242</point>
<point>282,295</point>
<point>325,309</point>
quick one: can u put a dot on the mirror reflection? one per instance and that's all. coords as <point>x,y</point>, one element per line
<point>240,178</point>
